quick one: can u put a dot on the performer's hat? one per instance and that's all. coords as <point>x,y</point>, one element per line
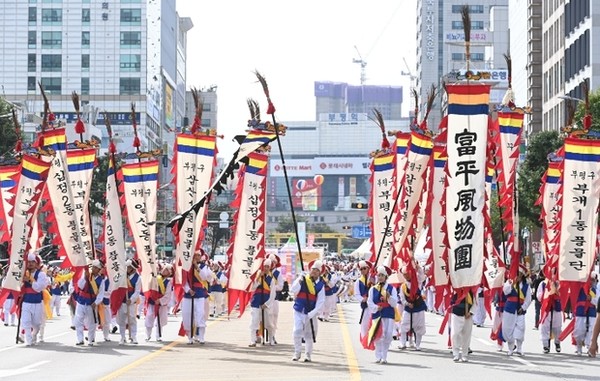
<point>523,269</point>
<point>594,275</point>
<point>33,257</point>
<point>384,270</point>
<point>203,256</point>
<point>316,264</point>
<point>132,263</point>
<point>364,264</point>
<point>275,259</point>
<point>96,263</point>
<point>267,262</point>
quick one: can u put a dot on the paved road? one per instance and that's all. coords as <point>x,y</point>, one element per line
<point>226,356</point>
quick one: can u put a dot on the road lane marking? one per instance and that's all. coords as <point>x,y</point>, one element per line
<point>23,345</point>
<point>349,348</point>
<point>20,371</point>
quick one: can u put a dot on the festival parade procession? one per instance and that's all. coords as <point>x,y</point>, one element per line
<point>445,289</point>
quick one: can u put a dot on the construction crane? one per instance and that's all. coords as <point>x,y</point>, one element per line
<point>408,72</point>
<point>363,64</point>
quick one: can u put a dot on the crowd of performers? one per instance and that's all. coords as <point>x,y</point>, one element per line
<point>389,311</point>
<point>392,311</point>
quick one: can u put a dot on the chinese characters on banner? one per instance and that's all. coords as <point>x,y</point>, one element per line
<point>383,196</point>
<point>550,200</point>
<point>468,107</point>
<point>436,217</point>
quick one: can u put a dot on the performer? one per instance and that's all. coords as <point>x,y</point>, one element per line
<point>461,325</point>
<point>518,298</point>
<point>263,296</point>
<point>382,300</point>
<point>413,318</point>
<point>216,290</point>
<point>126,315</point>
<point>9,316</point>
<point>196,294</point>
<point>34,282</point>
<point>361,294</point>
<point>329,279</point>
<point>89,295</point>
<point>55,292</point>
<point>496,334</point>
<point>309,298</point>
<point>165,287</point>
<point>551,313</point>
<point>585,315</point>
<point>479,309</point>
<point>105,317</point>
<point>276,264</point>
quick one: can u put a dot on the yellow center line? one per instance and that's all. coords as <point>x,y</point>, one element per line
<point>146,358</point>
<point>349,348</point>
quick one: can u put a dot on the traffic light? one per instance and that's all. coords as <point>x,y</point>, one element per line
<point>358,205</point>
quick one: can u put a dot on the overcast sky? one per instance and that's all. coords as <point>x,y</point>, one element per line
<point>293,44</point>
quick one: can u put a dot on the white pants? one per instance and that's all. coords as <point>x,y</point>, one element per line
<point>303,330</point>
<point>126,317</point>
<point>329,307</point>
<point>556,327</point>
<point>31,320</point>
<point>9,318</point>
<point>105,317</point>
<point>84,318</point>
<point>418,326</point>
<point>430,300</point>
<point>217,303</point>
<point>256,317</point>
<point>382,344</point>
<point>513,329</point>
<point>199,316</point>
<point>461,330</point>
<point>55,304</point>
<point>151,319</point>
<point>274,316</point>
<point>479,313</point>
<point>582,332</point>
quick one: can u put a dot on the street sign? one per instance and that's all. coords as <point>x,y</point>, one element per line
<point>361,231</point>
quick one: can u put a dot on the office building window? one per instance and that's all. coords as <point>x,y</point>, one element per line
<point>130,62</point>
<point>32,15</point>
<point>85,86</point>
<point>472,8</point>
<point>462,57</point>
<point>131,1</point>
<point>131,16</point>
<point>31,62</point>
<point>51,16</point>
<point>205,122</point>
<point>206,107</point>
<point>51,40</point>
<point>51,62</point>
<point>85,62</point>
<point>85,15</point>
<point>52,1</point>
<point>31,39</point>
<point>85,39</point>
<point>475,25</point>
<point>31,84</point>
<point>52,85</point>
<point>129,86</point>
<point>131,38</point>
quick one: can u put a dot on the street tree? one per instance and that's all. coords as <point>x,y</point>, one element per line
<point>8,135</point>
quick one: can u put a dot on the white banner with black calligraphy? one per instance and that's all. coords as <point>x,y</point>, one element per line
<point>383,195</point>
<point>8,182</point>
<point>551,192</point>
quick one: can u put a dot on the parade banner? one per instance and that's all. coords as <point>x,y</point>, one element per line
<point>383,195</point>
<point>493,266</point>
<point>418,157</point>
<point>247,249</point>
<point>140,184</point>
<point>113,238</point>
<point>468,107</point>
<point>439,253</point>
<point>578,212</point>
<point>194,160</point>
<point>8,176</point>
<point>550,205</point>
<point>81,164</point>
<point>62,215</point>
<point>34,173</point>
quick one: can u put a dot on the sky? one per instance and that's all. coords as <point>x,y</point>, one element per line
<point>293,44</point>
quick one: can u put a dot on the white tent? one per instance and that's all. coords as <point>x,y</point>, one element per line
<point>363,251</point>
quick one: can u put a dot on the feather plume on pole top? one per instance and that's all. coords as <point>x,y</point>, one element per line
<point>79,126</point>
<point>378,119</point>
<point>415,94</point>
<point>136,139</point>
<point>263,82</point>
<point>18,143</point>
<point>431,94</point>
<point>112,149</point>
<point>587,119</point>
<point>466,20</point>
<point>48,118</point>
<point>254,108</point>
<point>198,111</point>
<point>509,97</point>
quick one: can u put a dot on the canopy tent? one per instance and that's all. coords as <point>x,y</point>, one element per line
<point>363,251</point>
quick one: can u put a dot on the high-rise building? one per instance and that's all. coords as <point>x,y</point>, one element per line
<point>112,54</point>
<point>441,48</point>
<point>339,97</point>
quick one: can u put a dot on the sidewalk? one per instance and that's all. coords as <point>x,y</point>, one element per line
<point>226,355</point>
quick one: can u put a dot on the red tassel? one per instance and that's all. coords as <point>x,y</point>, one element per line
<point>587,121</point>
<point>79,127</point>
<point>271,108</point>
<point>196,125</point>
<point>385,143</point>
<point>112,148</point>
<point>51,118</point>
<point>18,146</point>
<point>39,142</point>
<point>423,126</point>
<point>136,142</point>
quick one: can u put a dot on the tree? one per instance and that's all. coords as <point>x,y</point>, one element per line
<point>8,135</point>
<point>530,175</point>
<point>286,224</point>
<point>594,99</point>
<point>98,189</point>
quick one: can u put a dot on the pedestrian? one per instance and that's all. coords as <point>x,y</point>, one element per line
<point>263,297</point>
<point>551,313</point>
<point>126,318</point>
<point>518,299</point>
<point>309,298</point>
<point>461,325</point>
<point>382,301</point>
<point>34,282</point>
